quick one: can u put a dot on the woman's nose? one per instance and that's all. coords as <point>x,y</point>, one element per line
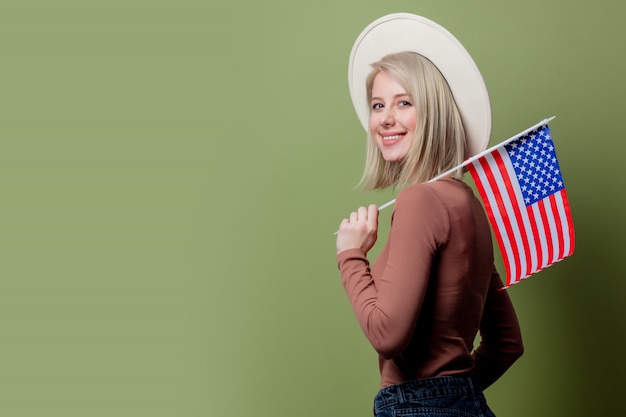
<point>388,118</point>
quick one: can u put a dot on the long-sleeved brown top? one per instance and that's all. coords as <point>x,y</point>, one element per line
<point>433,288</point>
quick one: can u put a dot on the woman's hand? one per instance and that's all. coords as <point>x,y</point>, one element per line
<point>360,230</point>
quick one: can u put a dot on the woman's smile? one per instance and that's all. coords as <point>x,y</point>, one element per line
<point>390,139</point>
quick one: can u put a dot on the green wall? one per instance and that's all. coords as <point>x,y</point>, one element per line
<point>171,174</point>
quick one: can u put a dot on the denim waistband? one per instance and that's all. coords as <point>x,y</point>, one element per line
<point>441,386</point>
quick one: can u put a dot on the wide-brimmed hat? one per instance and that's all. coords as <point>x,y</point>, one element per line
<point>401,32</point>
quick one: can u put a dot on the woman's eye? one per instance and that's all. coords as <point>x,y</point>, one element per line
<point>377,106</point>
<point>405,103</point>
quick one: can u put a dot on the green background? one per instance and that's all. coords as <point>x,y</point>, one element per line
<point>172,172</point>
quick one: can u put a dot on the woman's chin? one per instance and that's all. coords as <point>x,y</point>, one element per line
<point>393,158</point>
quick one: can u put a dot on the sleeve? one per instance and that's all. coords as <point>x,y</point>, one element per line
<point>501,339</point>
<point>387,308</point>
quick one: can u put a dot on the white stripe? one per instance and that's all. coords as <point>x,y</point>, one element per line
<point>508,204</point>
<point>543,241</point>
<point>498,218</point>
<point>525,219</point>
<point>553,232</point>
<point>564,224</point>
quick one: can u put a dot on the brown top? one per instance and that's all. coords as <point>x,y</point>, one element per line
<point>432,288</point>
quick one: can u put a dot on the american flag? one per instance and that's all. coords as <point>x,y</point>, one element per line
<point>523,192</point>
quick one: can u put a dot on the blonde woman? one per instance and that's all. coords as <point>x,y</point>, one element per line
<point>434,286</point>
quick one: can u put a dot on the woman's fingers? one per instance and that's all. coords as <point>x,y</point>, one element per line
<point>359,230</point>
<point>368,215</point>
<point>362,214</point>
<point>372,215</point>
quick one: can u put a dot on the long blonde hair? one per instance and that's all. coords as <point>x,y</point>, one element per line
<point>439,143</point>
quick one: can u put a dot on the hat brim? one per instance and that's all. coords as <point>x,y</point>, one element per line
<point>401,32</point>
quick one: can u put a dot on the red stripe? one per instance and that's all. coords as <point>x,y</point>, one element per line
<point>505,219</point>
<point>559,227</point>
<point>570,222</point>
<point>506,176</point>
<point>546,228</point>
<point>481,190</point>
<point>536,238</point>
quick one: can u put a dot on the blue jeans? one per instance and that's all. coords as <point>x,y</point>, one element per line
<point>444,396</point>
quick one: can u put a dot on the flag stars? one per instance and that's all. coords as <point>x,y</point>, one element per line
<point>535,165</point>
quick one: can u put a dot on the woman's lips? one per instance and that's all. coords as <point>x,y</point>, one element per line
<point>391,139</point>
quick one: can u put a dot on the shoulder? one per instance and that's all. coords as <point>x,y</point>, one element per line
<point>429,194</point>
<point>433,202</point>
<point>422,207</point>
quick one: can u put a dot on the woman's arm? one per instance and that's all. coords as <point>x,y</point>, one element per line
<point>387,308</point>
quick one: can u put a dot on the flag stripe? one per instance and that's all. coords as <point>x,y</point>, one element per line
<point>559,228</point>
<point>552,229</point>
<point>511,230</point>
<point>543,236</point>
<point>568,239</point>
<point>489,200</point>
<point>543,217</point>
<point>519,219</point>
<point>570,223</point>
<point>536,240</point>
<point>566,232</point>
<point>508,234</point>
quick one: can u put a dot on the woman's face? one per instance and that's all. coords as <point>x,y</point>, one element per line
<point>393,118</point>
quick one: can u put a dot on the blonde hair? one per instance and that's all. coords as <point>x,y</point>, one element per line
<point>439,143</point>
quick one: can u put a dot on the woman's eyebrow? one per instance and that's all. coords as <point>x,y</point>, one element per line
<point>396,96</point>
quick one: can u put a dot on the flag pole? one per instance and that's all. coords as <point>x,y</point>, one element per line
<point>480,155</point>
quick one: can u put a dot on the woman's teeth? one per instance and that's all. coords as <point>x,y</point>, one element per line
<point>394,137</point>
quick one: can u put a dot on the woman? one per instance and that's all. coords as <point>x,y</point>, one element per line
<point>433,287</point>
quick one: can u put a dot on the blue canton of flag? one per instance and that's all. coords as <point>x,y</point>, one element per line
<point>535,164</point>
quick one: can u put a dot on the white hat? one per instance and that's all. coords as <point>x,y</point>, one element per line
<point>401,32</point>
